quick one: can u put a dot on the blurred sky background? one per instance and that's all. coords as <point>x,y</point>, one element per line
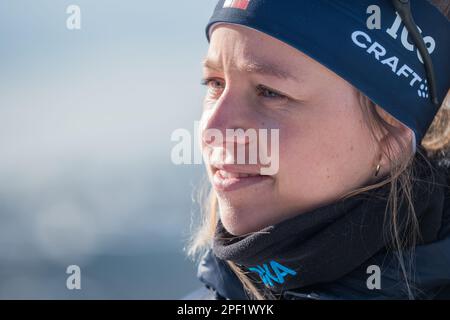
<point>86,118</point>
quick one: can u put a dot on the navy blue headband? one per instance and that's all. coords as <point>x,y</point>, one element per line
<point>383,63</point>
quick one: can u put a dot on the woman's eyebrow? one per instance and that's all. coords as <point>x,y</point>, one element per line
<point>255,66</point>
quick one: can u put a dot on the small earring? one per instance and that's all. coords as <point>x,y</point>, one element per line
<point>377,170</point>
<point>378,167</point>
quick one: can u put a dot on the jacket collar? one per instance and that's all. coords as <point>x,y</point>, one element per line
<point>431,275</point>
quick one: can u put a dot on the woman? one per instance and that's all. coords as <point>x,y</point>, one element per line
<point>359,206</point>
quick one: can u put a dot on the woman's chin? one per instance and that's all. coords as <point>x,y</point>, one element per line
<point>240,222</point>
<point>236,229</point>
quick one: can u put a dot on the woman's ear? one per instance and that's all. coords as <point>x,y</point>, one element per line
<point>397,143</point>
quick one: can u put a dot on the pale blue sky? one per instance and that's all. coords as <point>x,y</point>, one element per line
<point>85,124</point>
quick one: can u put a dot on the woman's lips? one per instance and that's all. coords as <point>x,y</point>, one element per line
<point>229,181</point>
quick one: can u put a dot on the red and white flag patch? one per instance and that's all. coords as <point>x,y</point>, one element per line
<point>238,4</point>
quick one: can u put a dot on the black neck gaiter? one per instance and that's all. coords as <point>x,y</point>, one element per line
<point>325,244</point>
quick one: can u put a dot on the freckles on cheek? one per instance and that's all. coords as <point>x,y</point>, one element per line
<point>309,156</point>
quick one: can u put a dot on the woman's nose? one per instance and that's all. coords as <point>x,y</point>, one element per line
<point>230,112</point>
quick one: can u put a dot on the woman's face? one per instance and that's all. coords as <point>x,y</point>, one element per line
<point>326,149</point>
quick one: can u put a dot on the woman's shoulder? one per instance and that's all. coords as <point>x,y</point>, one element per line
<point>202,293</point>
<point>216,276</point>
<point>441,163</point>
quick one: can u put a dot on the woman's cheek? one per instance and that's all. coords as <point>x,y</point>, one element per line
<point>300,155</point>
<point>208,103</point>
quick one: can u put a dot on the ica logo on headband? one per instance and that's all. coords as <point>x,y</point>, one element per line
<point>377,51</point>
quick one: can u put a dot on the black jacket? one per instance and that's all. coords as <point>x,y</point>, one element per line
<point>431,276</point>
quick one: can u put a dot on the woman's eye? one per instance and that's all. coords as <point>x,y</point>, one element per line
<point>214,85</point>
<point>268,93</point>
